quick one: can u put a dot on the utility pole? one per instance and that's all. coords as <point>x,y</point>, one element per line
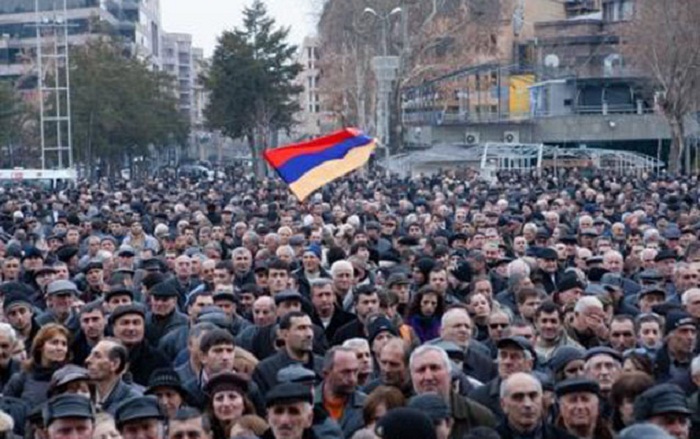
<point>51,24</point>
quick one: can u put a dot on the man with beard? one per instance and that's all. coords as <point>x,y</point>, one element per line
<point>393,368</point>
<point>549,322</point>
<point>337,393</point>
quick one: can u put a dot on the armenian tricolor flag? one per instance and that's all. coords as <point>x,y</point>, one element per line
<point>308,166</point>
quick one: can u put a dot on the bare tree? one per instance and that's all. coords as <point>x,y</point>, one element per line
<point>663,39</point>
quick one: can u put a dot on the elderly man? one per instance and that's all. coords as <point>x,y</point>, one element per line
<point>579,409</point>
<point>430,373</point>
<point>673,359</point>
<point>603,365</point>
<point>140,418</point>
<point>69,416</point>
<point>457,327</point>
<point>588,327</point>
<point>664,405</point>
<point>521,402</point>
<point>289,412</point>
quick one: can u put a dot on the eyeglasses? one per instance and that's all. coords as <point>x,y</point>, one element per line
<point>498,325</point>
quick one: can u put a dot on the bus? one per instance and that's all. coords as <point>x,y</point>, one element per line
<point>46,179</point>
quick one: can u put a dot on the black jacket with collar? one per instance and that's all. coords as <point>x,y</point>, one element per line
<point>144,359</point>
<point>265,374</point>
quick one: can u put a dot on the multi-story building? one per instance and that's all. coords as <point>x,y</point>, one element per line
<point>178,62</point>
<point>138,21</point>
<point>310,116</point>
<point>565,83</point>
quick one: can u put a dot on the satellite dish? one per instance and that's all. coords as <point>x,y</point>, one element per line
<point>551,61</point>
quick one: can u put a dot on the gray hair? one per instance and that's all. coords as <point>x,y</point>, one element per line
<point>8,331</point>
<point>320,282</point>
<point>695,366</point>
<point>356,343</point>
<point>426,348</point>
<point>586,302</point>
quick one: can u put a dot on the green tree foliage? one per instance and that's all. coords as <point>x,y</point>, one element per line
<point>120,107</point>
<point>250,80</point>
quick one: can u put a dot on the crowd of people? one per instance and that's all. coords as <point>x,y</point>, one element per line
<point>429,307</point>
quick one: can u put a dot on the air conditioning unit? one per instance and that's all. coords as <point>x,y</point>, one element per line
<point>511,137</point>
<point>472,138</point>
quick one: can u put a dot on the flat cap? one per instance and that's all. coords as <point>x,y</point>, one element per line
<point>67,374</point>
<point>65,252</point>
<point>660,399</point>
<point>518,342</point>
<point>397,279</point>
<point>653,289</point>
<point>286,296</point>
<point>67,406</point>
<point>603,350</point>
<point>140,407</point>
<point>547,253</point>
<point>288,393</point>
<point>432,405</point>
<point>61,287</point>
<point>296,373</point>
<point>123,310</point>
<point>163,289</point>
<point>118,290</point>
<point>665,254</point>
<point>453,351</point>
<point>568,282</point>
<point>226,381</point>
<point>126,251</point>
<point>165,377</point>
<point>577,385</point>
<point>93,265</point>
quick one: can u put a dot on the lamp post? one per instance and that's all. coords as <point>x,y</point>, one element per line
<point>385,68</point>
<point>384,19</point>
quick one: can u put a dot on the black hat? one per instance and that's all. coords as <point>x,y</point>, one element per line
<point>650,275</point>
<point>287,295</point>
<point>432,405</point>
<point>67,406</point>
<point>564,355</point>
<point>547,253</point>
<point>296,373</point>
<point>577,385</point>
<point>519,342</point>
<point>653,289</point>
<point>379,325</point>
<point>453,351</point>
<point>123,310</point>
<point>67,374</point>
<point>165,377</point>
<point>463,272</point>
<point>127,251</point>
<point>118,290</point>
<point>93,265</point>
<point>568,239</point>
<point>288,393</point>
<point>676,319</point>
<point>405,423</point>
<point>603,350</point>
<point>589,232</point>
<point>542,234</point>
<point>15,298</point>
<point>163,289</point>
<point>33,252</point>
<point>659,400</point>
<point>226,381</point>
<point>214,315</point>
<point>225,295</point>
<point>153,264</point>
<point>43,270</point>
<point>664,255</point>
<point>65,252</point>
<point>140,407</point>
<point>568,282</point>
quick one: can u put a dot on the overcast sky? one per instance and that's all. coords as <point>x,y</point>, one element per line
<point>206,19</point>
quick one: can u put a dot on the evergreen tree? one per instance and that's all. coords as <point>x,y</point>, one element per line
<point>250,80</point>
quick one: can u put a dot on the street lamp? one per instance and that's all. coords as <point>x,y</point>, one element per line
<point>384,19</point>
